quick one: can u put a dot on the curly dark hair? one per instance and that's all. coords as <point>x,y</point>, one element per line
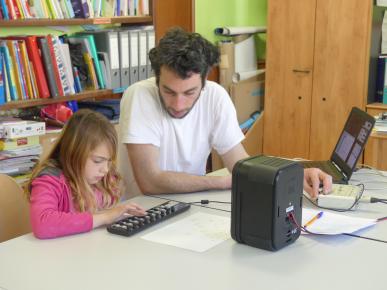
<point>185,53</point>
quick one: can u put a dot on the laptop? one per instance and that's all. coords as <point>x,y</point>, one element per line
<point>348,149</point>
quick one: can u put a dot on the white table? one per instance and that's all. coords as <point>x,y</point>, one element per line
<point>100,260</point>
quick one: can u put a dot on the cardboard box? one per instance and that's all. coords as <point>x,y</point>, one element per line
<point>226,65</point>
<point>247,96</point>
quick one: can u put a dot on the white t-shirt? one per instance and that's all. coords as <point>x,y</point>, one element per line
<point>186,143</point>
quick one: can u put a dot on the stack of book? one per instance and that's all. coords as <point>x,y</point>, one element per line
<point>67,9</point>
<point>19,147</point>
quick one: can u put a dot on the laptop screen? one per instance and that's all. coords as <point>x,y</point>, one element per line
<point>352,140</point>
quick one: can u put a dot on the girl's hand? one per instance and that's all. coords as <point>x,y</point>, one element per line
<point>118,212</point>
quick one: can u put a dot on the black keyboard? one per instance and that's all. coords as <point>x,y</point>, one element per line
<point>134,224</point>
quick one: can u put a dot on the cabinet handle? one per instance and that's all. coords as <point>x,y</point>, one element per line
<point>304,71</point>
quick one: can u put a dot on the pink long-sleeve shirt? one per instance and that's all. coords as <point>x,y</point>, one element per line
<point>52,210</point>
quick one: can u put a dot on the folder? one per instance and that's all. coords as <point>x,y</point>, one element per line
<point>151,44</point>
<point>143,53</point>
<point>124,58</point>
<point>48,67</point>
<point>133,55</point>
<point>89,44</point>
<point>107,41</point>
<point>103,59</point>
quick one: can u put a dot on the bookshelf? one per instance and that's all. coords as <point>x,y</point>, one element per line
<point>77,21</point>
<point>96,94</point>
<point>160,16</point>
<point>85,95</point>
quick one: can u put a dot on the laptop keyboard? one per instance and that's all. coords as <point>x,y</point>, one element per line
<point>325,166</point>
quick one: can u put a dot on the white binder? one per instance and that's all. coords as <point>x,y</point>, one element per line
<point>133,55</point>
<point>107,41</point>
<point>143,54</point>
<point>151,44</point>
<point>124,58</point>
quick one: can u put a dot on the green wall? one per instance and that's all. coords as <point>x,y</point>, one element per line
<point>210,14</point>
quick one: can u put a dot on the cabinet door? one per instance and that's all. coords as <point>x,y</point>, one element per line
<point>340,79</point>
<point>169,13</point>
<point>290,41</point>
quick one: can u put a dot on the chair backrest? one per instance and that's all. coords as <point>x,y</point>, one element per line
<point>124,167</point>
<point>14,210</point>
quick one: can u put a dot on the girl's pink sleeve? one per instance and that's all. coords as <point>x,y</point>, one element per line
<point>50,209</point>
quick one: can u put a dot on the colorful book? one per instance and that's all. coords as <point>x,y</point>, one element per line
<point>78,62</point>
<point>4,10</point>
<point>55,65</point>
<point>92,50</point>
<point>91,71</point>
<point>11,9</point>
<point>6,84</point>
<point>2,83</point>
<point>26,68</point>
<point>59,58</point>
<point>9,67</point>
<point>48,67</point>
<point>34,56</point>
<point>19,69</point>
<point>81,8</point>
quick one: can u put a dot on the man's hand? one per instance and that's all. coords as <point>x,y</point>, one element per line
<point>313,177</point>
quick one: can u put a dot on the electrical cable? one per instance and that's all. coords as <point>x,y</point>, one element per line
<point>206,201</point>
<point>356,201</point>
<point>304,229</point>
<point>367,238</point>
<point>193,203</point>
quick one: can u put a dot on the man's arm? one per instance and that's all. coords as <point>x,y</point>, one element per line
<point>152,180</point>
<point>313,177</point>
<point>231,157</point>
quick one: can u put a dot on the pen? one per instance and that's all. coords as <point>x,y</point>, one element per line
<point>313,219</point>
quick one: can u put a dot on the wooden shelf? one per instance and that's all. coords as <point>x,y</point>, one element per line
<point>97,94</point>
<point>76,21</point>
<point>377,106</point>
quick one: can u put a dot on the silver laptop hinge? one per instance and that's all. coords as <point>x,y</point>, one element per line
<point>338,168</point>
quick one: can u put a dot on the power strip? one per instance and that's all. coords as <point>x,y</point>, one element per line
<point>341,197</point>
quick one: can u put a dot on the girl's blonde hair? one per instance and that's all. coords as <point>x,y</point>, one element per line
<point>84,131</point>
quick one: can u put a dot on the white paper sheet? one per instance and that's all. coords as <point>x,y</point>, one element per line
<point>198,232</point>
<point>245,55</point>
<point>241,76</point>
<point>333,223</point>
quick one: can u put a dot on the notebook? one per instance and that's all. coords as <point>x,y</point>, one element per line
<point>349,147</point>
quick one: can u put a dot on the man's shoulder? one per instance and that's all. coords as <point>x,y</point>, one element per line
<point>147,86</point>
<point>214,85</point>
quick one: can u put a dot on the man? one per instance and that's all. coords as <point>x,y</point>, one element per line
<point>171,122</point>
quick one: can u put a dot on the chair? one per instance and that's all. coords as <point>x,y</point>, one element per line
<point>129,185</point>
<point>14,210</point>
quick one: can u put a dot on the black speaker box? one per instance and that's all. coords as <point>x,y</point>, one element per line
<point>265,191</point>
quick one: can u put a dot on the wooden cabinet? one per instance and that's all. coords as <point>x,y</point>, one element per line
<point>316,71</point>
<point>375,153</point>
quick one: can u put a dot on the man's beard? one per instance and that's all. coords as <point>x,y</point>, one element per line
<point>170,114</point>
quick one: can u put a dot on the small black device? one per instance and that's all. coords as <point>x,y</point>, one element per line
<point>134,224</point>
<point>349,147</point>
<point>266,191</point>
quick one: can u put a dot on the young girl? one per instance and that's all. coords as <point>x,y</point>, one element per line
<point>75,189</point>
